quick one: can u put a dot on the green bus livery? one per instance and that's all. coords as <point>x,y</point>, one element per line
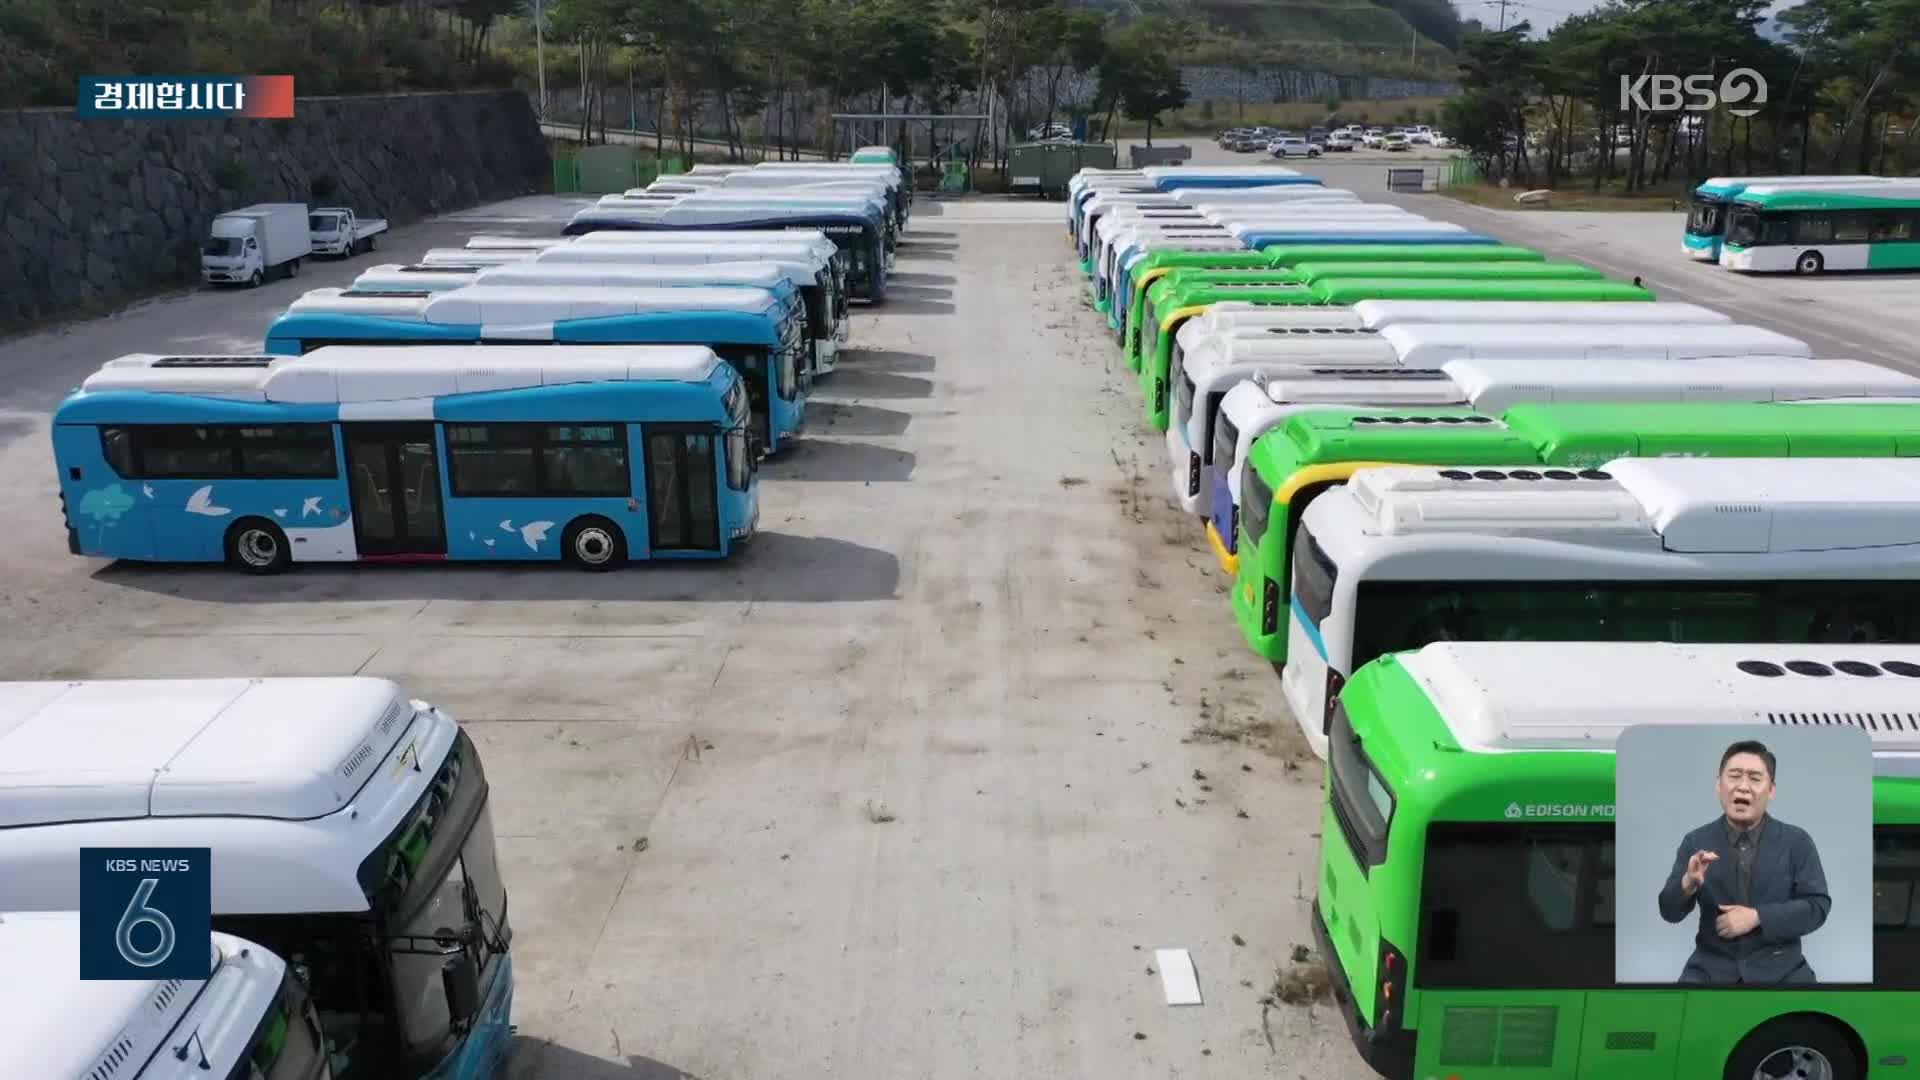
<point>1293,464</point>
<point>1465,902</point>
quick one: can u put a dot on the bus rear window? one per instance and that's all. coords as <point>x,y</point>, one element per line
<point>1314,575</point>
<point>1396,616</point>
<point>1256,503</point>
<point>1361,801</point>
<point>1517,906</point>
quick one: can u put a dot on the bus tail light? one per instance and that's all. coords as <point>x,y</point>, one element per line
<point>1388,1005</point>
<point>1270,607</point>
<point>1335,683</point>
<point>1159,394</point>
<point>1193,473</point>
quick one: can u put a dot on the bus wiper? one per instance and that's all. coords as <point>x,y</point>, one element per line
<point>180,1052</point>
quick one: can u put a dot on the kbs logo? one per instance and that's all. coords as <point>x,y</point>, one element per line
<point>146,913</point>
<point>1743,91</point>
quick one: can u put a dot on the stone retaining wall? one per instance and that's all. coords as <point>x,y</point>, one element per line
<point>93,211</point>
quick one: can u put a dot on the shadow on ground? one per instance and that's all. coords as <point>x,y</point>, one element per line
<point>537,1059</point>
<point>772,566</point>
<point>839,461</point>
<point>855,380</point>
<point>846,418</point>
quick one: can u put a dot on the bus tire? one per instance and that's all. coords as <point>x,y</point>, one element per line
<point>257,546</point>
<point>1809,262</point>
<point>1795,1046</point>
<point>594,543</point>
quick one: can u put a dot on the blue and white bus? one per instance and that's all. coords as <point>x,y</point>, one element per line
<point>595,456</point>
<point>820,276</point>
<point>788,281</point>
<point>1706,227</point>
<point>860,236</point>
<point>750,329</point>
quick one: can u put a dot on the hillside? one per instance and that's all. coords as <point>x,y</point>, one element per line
<point>1341,36</point>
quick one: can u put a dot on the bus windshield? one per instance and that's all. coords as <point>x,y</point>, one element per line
<point>287,1045</point>
<point>442,895</point>
<point>1708,216</point>
<point>1743,226</point>
<point>1226,441</point>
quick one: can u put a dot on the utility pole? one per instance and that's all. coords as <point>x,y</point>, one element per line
<point>1503,5</point>
<point>540,58</point>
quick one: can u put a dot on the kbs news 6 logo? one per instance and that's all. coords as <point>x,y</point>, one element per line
<point>146,913</point>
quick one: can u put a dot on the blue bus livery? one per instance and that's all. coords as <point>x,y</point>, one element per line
<point>592,455</point>
<point>794,283</point>
<point>750,328</point>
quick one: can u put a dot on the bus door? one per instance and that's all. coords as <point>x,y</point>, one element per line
<point>683,487</point>
<point>393,484</point>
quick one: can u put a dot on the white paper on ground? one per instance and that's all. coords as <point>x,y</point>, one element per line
<point>1177,977</point>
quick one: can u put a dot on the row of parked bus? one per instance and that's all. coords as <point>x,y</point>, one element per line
<point>428,412</point>
<point>600,396</point>
<point>1457,487</point>
<point>1805,224</point>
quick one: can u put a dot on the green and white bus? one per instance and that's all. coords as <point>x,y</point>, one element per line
<point>1645,549</point>
<point>1874,226</point>
<point>1292,465</point>
<point>1163,318</point>
<point>1168,310</point>
<point>1465,907</point>
<point>1713,199</point>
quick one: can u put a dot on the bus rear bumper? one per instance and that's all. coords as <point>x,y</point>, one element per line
<point>1388,1053</point>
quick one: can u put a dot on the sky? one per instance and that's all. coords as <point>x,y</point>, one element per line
<point>1545,14</point>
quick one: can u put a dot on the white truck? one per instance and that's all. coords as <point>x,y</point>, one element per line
<point>336,230</point>
<point>250,1018</point>
<point>247,246</point>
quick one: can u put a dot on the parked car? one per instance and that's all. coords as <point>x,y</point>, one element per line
<point>1293,147</point>
<point>1340,141</point>
<point>1050,131</point>
<point>1420,138</point>
<point>1397,141</point>
<point>1440,141</point>
<point>1373,140</point>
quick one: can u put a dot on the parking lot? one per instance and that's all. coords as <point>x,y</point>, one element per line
<point>914,787</point>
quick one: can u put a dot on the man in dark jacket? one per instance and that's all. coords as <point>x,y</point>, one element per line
<point>1756,880</point>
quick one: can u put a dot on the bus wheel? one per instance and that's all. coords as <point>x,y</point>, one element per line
<point>594,543</point>
<point>1794,1046</point>
<point>257,546</point>
<point>1809,262</point>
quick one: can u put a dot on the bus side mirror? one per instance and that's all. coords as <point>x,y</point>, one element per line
<point>461,981</point>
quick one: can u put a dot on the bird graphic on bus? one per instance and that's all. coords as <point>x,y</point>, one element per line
<point>533,532</point>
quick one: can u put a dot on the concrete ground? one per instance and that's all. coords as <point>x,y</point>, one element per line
<point>911,789</point>
<point>915,786</point>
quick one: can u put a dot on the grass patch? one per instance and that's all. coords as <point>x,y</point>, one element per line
<point>1582,198</point>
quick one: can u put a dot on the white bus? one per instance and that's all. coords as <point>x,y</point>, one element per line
<point>350,829</point>
<point>1872,226</point>
<point>250,1019</point>
<point>1493,385</point>
<point>825,331</point>
<point>1269,195</point>
<point>1646,549</point>
<point>1221,361</point>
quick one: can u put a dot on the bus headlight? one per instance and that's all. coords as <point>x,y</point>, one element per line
<point>1270,607</point>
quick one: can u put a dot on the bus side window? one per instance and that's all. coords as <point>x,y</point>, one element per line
<point>1812,228</point>
<point>1896,907</point>
<point>117,445</point>
<point>1852,226</point>
<point>1892,225</point>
